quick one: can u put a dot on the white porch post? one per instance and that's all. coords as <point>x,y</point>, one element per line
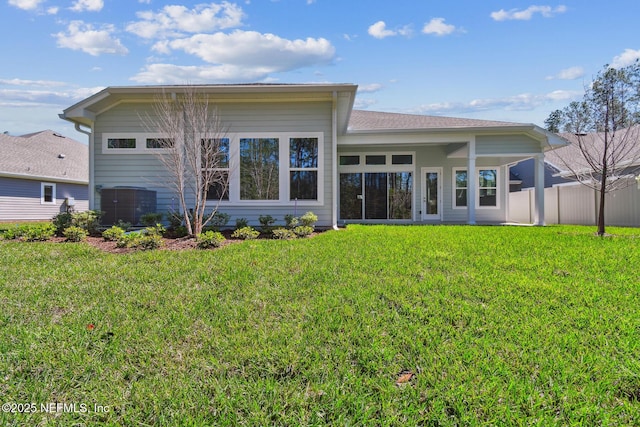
<point>539,189</point>
<point>471,182</point>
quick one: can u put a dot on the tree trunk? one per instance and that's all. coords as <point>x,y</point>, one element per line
<point>601,208</point>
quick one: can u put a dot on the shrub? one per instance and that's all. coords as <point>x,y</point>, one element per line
<point>179,231</point>
<point>291,220</point>
<point>266,221</point>
<point>242,222</point>
<point>123,224</point>
<point>245,233</point>
<point>61,222</point>
<point>36,232</point>
<point>148,241</point>
<point>283,234</point>
<point>219,220</point>
<point>209,239</point>
<point>309,219</point>
<point>128,240</point>
<point>75,234</point>
<point>88,221</point>
<point>113,234</point>
<point>303,230</point>
<point>150,219</point>
<point>175,219</point>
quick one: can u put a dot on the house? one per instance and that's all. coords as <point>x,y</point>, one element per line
<point>42,174</point>
<point>523,176</point>
<point>361,166</point>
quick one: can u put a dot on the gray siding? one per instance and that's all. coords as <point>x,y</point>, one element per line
<point>20,199</point>
<point>500,144</point>
<point>145,170</point>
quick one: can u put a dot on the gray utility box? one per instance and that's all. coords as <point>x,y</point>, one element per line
<point>127,204</point>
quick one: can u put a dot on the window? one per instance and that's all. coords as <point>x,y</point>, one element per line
<point>215,167</point>
<point>349,160</point>
<point>487,187</point>
<point>402,159</point>
<point>460,196</point>
<point>376,160</point>
<point>47,193</point>
<point>127,143</point>
<point>259,169</point>
<point>159,143</point>
<point>303,168</point>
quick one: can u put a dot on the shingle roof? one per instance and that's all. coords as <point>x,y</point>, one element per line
<point>44,155</point>
<point>570,158</point>
<point>375,120</point>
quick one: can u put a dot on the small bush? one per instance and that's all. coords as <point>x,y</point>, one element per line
<point>113,234</point>
<point>75,234</point>
<point>242,223</point>
<point>283,234</point>
<point>179,231</point>
<point>309,219</point>
<point>128,240</point>
<point>219,220</point>
<point>34,232</point>
<point>123,224</point>
<point>150,219</point>
<point>88,221</point>
<point>61,222</point>
<point>175,219</point>
<point>209,239</point>
<point>245,233</point>
<point>303,230</point>
<point>291,221</point>
<point>147,241</point>
<point>266,221</point>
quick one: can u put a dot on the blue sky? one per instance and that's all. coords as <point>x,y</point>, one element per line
<point>486,59</point>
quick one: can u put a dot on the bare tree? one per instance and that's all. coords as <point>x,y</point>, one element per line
<point>604,131</point>
<point>195,152</point>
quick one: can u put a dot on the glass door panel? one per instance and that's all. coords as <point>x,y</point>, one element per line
<point>400,195</point>
<point>375,195</point>
<point>351,196</point>
<point>431,194</point>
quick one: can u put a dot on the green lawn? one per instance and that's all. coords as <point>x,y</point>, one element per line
<point>500,325</point>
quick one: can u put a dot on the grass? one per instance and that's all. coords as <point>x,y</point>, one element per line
<point>500,325</point>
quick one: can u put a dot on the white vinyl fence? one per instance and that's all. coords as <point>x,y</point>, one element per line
<point>577,204</point>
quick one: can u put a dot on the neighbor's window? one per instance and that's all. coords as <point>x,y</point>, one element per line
<point>47,193</point>
<point>460,188</point>
<point>121,143</point>
<point>215,158</point>
<point>259,169</point>
<point>487,187</point>
<point>303,168</point>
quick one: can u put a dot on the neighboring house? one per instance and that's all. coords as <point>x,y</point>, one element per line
<point>360,166</point>
<point>522,174</point>
<point>41,174</point>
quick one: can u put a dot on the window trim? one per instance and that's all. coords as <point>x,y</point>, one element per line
<point>53,193</point>
<point>476,176</point>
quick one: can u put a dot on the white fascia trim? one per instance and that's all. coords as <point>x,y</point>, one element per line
<point>42,178</point>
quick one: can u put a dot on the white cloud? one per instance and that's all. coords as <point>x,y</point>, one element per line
<point>370,88</point>
<point>22,82</point>
<point>253,49</point>
<point>628,57</point>
<point>84,37</point>
<point>144,1</point>
<point>571,73</point>
<point>521,102</point>
<point>53,10</point>
<point>438,27</point>
<point>363,104</point>
<point>180,74</point>
<point>379,30</point>
<point>175,20</point>
<point>527,14</point>
<point>87,5</point>
<point>26,4</point>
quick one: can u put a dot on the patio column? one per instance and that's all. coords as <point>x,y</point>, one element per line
<point>539,189</point>
<point>472,181</point>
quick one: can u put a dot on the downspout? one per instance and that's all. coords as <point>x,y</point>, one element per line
<point>91,168</point>
<point>334,162</point>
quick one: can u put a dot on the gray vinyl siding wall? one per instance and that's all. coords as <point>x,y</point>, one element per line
<point>20,199</point>
<point>145,170</point>
<point>500,144</point>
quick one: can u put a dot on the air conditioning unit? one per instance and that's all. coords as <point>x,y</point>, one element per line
<point>126,204</point>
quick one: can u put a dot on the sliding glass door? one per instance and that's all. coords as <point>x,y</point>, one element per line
<point>376,195</point>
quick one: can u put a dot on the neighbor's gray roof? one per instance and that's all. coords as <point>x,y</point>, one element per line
<point>44,155</point>
<point>375,120</point>
<point>569,158</point>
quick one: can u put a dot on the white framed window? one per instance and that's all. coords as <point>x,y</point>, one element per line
<point>487,187</point>
<point>47,193</point>
<point>219,166</point>
<point>133,143</point>
<point>303,168</point>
